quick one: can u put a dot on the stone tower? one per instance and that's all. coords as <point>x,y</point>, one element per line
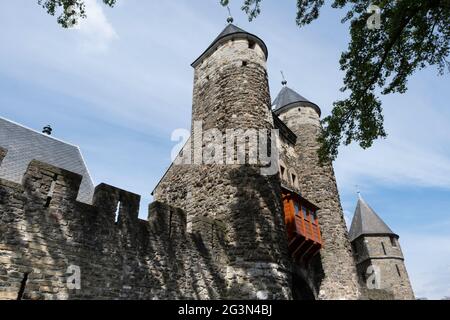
<point>378,255</point>
<point>333,270</point>
<point>234,209</point>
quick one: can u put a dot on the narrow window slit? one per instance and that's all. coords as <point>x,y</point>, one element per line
<point>244,63</point>
<point>170,223</point>
<point>23,285</point>
<point>398,270</point>
<point>212,235</point>
<point>117,214</point>
<point>384,249</point>
<point>50,192</point>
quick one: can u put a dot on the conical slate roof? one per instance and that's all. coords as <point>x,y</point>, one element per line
<point>366,222</point>
<point>288,97</point>
<point>231,31</point>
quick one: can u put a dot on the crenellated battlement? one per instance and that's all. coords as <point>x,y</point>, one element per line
<point>44,230</point>
<point>48,187</point>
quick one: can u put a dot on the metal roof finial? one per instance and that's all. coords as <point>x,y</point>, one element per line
<point>358,192</point>
<point>284,82</point>
<point>230,17</point>
<point>47,130</point>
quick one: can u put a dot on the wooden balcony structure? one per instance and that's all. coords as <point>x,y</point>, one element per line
<point>302,226</point>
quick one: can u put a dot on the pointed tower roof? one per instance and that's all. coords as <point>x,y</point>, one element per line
<point>366,222</point>
<point>288,98</point>
<point>230,32</point>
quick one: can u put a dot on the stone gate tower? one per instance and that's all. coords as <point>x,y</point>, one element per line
<point>333,270</point>
<point>378,255</point>
<point>234,209</point>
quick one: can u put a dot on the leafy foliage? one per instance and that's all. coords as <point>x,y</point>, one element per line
<point>413,35</point>
<point>70,10</point>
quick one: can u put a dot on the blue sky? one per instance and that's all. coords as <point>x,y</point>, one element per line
<point>118,85</point>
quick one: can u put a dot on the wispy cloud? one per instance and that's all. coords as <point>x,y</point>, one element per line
<point>124,75</point>
<point>394,162</point>
<point>96,31</point>
<point>427,259</point>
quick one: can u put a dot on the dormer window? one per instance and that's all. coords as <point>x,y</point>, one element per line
<point>251,44</point>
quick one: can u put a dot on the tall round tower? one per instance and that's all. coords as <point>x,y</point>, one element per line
<point>230,204</point>
<point>333,269</point>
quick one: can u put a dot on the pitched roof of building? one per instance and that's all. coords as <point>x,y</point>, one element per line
<point>287,98</point>
<point>231,31</point>
<point>367,222</point>
<point>24,145</point>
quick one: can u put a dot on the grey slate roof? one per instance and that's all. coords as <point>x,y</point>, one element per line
<point>367,222</point>
<point>230,31</point>
<point>24,144</point>
<point>288,97</point>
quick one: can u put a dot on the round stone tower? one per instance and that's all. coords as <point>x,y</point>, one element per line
<point>379,258</point>
<point>233,206</point>
<point>333,270</point>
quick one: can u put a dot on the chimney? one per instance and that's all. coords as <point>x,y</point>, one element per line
<point>47,130</point>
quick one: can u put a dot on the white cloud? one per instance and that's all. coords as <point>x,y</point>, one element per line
<point>393,162</point>
<point>96,31</point>
<point>428,263</point>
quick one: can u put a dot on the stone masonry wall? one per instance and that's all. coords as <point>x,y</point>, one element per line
<point>119,258</point>
<point>334,268</point>
<point>231,92</point>
<point>378,251</point>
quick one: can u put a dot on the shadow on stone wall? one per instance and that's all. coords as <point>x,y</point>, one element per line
<point>124,257</point>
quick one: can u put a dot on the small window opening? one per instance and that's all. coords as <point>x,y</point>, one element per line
<point>393,242</point>
<point>355,249</point>
<point>251,44</point>
<point>50,192</point>
<point>282,170</point>
<point>384,249</point>
<point>296,208</point>
<point>23,285</point>
<point>244,63</point>
<point>294,179</point>
<point>313,216</point>
<point>117,213</point>
<point>398,270</point>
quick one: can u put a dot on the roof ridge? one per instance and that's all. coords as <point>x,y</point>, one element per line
<point>35,131</point>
